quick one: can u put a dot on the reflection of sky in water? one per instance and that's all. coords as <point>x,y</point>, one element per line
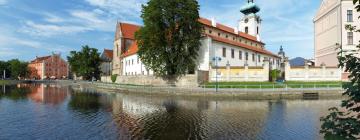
<point>49,112</point>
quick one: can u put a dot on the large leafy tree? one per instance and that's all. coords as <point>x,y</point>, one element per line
<point>4,66</point>
<point>170,39</point>
<point>344,122</point>
<point>85,63</point>
<point>18,69</point>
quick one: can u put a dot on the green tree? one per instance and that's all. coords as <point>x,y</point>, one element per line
<point>85,63</point>
<point>170,39</point>
<point>4,66</point>
<point>18,69</point>
<point>344,123</point>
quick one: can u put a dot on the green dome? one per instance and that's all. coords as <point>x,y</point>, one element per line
<point>249,8</point>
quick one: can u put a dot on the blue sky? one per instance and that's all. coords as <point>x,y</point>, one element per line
<point>30,28</point>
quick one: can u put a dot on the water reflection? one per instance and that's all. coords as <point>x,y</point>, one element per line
<point>86,114</point>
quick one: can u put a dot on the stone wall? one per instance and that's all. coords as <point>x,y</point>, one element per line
<point>188,80</point>
<point>240,74</point>
<point>309,73</point>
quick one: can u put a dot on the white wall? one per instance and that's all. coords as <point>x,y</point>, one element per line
<point>133,66</point>
<point>236,61</point>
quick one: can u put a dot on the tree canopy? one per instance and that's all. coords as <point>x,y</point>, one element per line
<point>344,123</point>
<point>14,69</point>
<point>170,39</point>
<point>85,63</point>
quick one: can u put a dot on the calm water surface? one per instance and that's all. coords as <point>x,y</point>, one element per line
<point>58,112</point>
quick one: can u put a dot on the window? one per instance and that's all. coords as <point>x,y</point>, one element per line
<point>219,34</point>
<point>257,30</point>
<point>132,62</point>
<point>253,57</point>
<point>234,38</point>
<point>224,52</point>
<point>247,30</point>
<point>259,58</point>
<point>210,31</point>
<point>138,60</point>
<point>350,37</point>
<point>232,53</point>
<point>226,36</point>
<point>240,55</point>
<point>349,15</point>
<point>246,56</point>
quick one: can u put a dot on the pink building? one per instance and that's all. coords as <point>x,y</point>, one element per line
<point>49,67</point>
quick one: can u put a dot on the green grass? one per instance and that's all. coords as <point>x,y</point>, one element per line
<point>2,82</point>
<point>269,85</point>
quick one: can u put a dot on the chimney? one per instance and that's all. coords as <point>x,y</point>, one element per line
<point>236,30</point>
<point>213,22</point>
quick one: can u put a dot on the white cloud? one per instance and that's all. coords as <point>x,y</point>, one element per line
<point>49,30</point>
<point>3,2</point>
<point>116,7</point>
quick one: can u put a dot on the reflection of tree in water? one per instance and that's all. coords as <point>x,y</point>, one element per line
<point>175,123</point>
<point>15,92</point>
<point>84,102</point>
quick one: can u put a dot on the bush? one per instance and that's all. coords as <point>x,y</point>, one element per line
<point>113,78</point>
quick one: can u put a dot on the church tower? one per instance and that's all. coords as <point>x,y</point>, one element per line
<point>251,22</point>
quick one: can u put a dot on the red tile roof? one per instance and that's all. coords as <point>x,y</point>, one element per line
<point>108,53</point>
<point>238,44</point>
<point>227,29</point>
<point>128,30</point>
<point>133,49</point>
<point>40,59</point>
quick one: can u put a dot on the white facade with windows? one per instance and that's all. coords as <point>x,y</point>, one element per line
<point>330,31</point>
<point>133,66</point>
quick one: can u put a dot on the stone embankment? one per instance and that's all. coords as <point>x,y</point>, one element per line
<point>268,94</point>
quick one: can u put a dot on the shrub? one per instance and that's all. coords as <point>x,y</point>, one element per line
<point>113,78</point>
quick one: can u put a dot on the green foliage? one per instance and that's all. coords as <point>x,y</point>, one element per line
<point>85,63</point>
<point>344,123</point>
<point>275,74</point>
<point>14,69</point>
<point>170,39</point>
<point>113,78</point>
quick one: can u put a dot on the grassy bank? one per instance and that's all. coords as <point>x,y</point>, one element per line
<point>2,82</point>
<point>265,85</point>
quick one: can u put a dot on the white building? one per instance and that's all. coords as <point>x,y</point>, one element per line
<point>237,47</point>
<point>330,32</point>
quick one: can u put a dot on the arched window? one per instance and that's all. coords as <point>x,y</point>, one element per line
<point>257,30</point>
<point>247,30</point>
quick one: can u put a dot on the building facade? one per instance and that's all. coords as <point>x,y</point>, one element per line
<point>49,67</point>
<point>330,32</point>
<point>106,64</point>
<point>237,47</point>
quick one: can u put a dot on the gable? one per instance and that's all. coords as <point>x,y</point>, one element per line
<point>325,7</point>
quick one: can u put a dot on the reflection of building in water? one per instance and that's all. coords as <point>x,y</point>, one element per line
<point>52,94</point>
<point>159,118</point>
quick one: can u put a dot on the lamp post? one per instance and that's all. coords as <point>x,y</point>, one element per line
<point>216,60</point>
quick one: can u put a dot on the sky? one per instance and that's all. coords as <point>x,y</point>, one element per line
<point>30,28</point>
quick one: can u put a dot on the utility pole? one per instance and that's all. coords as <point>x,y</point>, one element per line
<point>4,74</point>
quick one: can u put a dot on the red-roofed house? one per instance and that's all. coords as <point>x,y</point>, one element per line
<point>106,64</point>
<point>48,67</point>
<point>237,47</point>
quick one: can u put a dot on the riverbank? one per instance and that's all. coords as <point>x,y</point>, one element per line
<point>246,94</point>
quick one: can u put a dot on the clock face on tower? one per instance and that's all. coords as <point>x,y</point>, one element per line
<point>246,20</point>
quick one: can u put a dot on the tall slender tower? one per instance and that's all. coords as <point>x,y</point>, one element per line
<point>251,22</point>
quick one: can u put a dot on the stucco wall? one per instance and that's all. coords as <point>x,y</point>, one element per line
<point>189,80</point>
<point>308,73</point>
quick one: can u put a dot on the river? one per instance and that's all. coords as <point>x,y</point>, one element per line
<point>39,111</point>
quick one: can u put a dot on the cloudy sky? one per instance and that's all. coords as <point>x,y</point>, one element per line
<point>30,28</point>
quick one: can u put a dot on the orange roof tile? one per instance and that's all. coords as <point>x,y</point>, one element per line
<point>128,30</point>
<point>133,49</point>
<point>108,53</point>
<point>235,43</point>
<point>40,59</point>
<point>227,29</point>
